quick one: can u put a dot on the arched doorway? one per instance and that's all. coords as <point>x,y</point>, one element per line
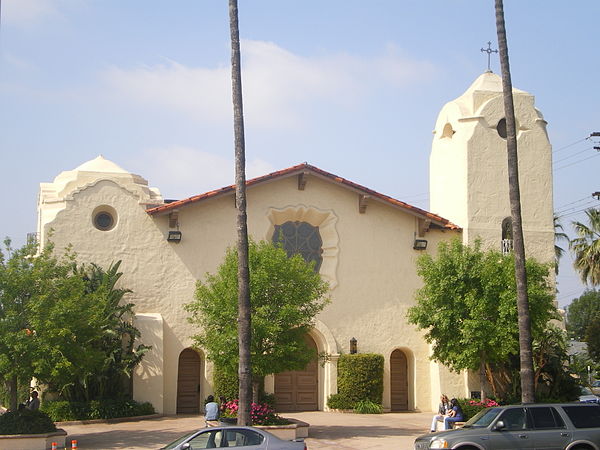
<point>298,390</point>
<point>188,382</point>
<point>399,381</point>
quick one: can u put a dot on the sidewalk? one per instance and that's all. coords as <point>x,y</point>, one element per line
<point>328,430</point>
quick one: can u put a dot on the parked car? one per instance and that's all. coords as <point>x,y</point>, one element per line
<point>596,387</point>
<point>587,396</point>
<point>231,437</point>
<point>560,426</point>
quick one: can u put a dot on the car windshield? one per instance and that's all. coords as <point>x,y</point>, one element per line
<point>596,383</point>
<point>483,418</point>
<point>177,442</point>
<point>585,390</point>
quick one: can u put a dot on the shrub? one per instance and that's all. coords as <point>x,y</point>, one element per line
<point>471,407</point>
<point>97,409</point>
<point>360,377</point>
<point>339,401</point>
<point>25,421</point>
<point>261,413</point>
<point>367,407</point>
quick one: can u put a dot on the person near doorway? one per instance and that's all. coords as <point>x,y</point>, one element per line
<point>443,409</point>
<point>211,412</point>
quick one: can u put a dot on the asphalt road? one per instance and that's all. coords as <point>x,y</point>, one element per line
<point>328,430</point>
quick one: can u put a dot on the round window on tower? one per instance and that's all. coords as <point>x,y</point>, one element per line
<point>501,128</point>
<point>104,218</point>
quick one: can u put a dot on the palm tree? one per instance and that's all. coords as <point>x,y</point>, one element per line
<point>525,346</point>
<point>244,319</point>
<point>586,247</point>
<point>559,235</point>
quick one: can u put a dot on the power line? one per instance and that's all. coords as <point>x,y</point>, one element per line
<point>572,155</point>
<point>576,162</point>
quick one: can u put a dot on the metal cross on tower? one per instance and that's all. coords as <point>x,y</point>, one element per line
<point>489,52</point>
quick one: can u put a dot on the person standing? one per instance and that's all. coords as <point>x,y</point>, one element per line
<point>443,409</point>
<point>211,412</point>
<point>454,415</point>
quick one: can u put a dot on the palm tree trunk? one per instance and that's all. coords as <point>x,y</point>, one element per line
<point>525,351</point>
<point>244,319</point>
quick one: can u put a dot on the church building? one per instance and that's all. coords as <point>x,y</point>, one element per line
<point>365,244</point>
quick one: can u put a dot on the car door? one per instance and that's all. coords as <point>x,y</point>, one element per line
<point>228,438</point>
<point>550,431</point>
<point>515,432</point>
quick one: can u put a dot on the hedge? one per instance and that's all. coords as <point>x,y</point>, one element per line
<point>360,378</point>
<point>25,421</point>
<point>60,411</point>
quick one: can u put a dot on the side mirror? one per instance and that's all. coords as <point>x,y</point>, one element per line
<point>499,426</point>
<point>185,446</point>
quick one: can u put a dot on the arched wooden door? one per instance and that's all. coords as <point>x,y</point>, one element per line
<point>298,390</point>
<point>399,381</point>
<point>188,382</point>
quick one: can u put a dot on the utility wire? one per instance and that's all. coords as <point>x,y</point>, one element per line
<point>576,162</point>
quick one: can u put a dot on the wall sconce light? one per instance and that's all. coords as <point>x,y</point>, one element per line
<point>174,236</point>
<point>353,346</point>
<point>420,244</point>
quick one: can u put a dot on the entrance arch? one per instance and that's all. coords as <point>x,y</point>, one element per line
<point>188,382</point>
<point>399,381</point>
<point>298,390</point>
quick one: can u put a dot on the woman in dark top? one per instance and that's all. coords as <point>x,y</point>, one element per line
<point>454,415</point>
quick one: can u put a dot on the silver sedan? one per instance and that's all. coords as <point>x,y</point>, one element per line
<point>231,436</point>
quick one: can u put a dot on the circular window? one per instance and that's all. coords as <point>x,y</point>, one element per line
<point>104,218</point>
<point>501,128</point>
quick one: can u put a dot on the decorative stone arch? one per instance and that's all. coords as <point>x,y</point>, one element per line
<point>189,376</point>
<point>401,379</point>
<point>325,221</point>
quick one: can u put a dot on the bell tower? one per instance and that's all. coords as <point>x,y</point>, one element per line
<point>469,169</point>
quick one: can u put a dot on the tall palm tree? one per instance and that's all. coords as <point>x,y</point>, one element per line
<point>586,247</point>
<point>244,319</point>
<point>559,235</point>
<point>525,346</point>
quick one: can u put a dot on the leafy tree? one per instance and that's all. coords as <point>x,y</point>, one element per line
<point>592,338</point>
<point>46,321</point>
<point>63,325</point>
<point>467,305</point>
<point>115,341</point>
<point>286,296</point>
<point>586,247</point>
<point>581,312</point>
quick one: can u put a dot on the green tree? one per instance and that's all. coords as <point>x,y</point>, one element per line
<point>46,321</point>
<point>115,340</point>
<point>581,312</point>
<point>286,296</point>
<point>467,305</point>
<point>592,338</point>
<point>586,247</point>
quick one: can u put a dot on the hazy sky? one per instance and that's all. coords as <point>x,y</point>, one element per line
<point>353,87</point>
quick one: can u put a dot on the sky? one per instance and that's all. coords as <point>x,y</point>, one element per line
<point>352,87</point>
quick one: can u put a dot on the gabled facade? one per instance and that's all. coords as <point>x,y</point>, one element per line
<point>367,250</point>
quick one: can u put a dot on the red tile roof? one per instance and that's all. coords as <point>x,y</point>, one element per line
<point>300,168</point>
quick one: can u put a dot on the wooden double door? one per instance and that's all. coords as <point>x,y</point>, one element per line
<point>298,390</point>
